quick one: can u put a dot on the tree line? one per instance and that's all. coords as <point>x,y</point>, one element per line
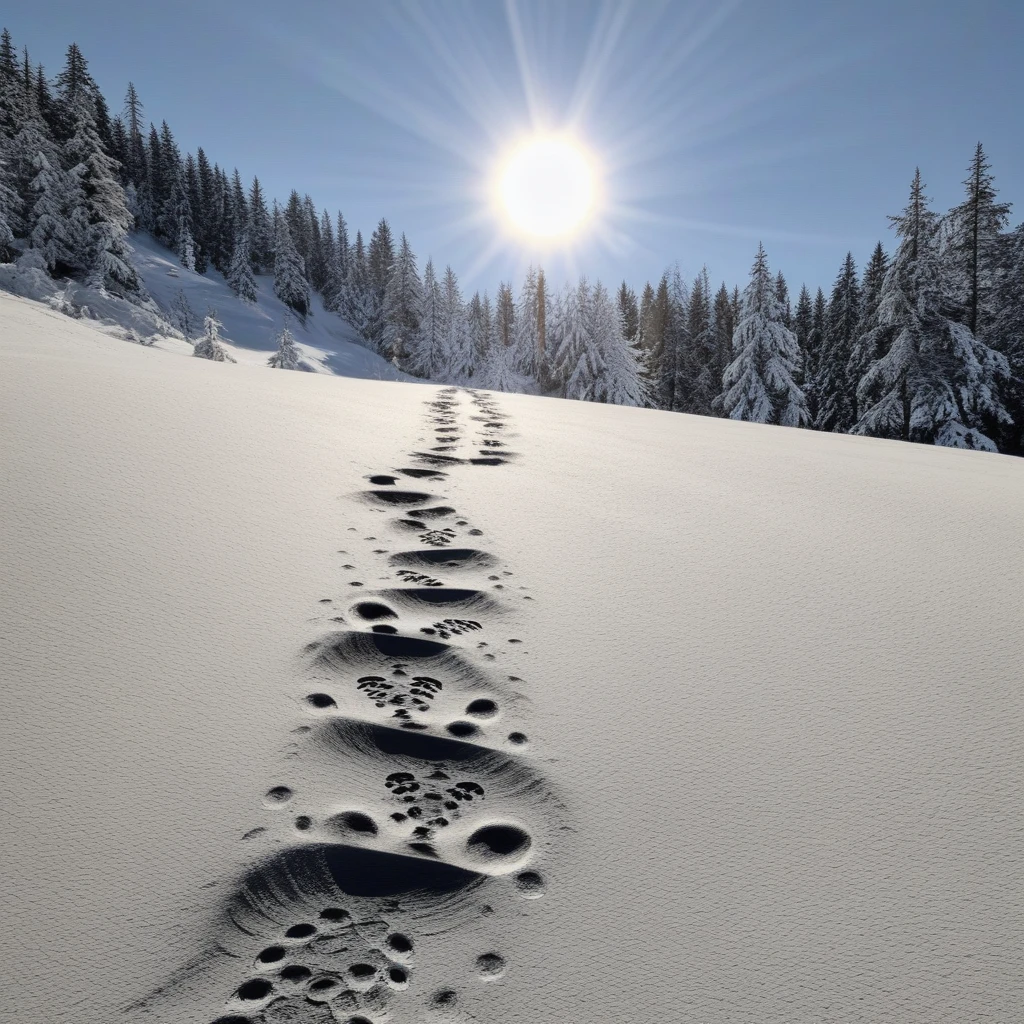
<point>926,344</point>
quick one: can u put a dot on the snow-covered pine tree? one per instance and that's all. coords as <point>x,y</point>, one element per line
<point>170,207</point>
<point>782,294</point>
<point>499,372</point>
<point>835,391</point>
<point>864,353</point>
<point>338,284</point>
<point>316,265</point>
<point>356,293</point>
<point>240,276</point>
<point>287,356</point>
<point>185,317</point>
<point>206,211</point>
<point>10,208</point>
<point>425,348</point>
<point>620,380</point>
<point>11,88</point>
<point>724,325</point>
<point>475,326</point>
<point>457,349</point>
<point>700,370</point>
<point>935,383</point>
<point>98,214</point>
<point>209,346</point>
<point>74,88</point>
<point>524,338</point>
<point>289,274</point>
<point>656,332</point>
<point>403,305</point>
<point>135,169</point>
<point>677,343</point>
<point>483,341</point>
<point>261,230</point>
<point>971,256</point>
<point>505,317</point>
<point>576,362</point>
<point>1009,329</point>
<point>759,383</point>
<point>329,257</point>
<point>629,311</point>
<point>541,361</point>
<point>803,321</point>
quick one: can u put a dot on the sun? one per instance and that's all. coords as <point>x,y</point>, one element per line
<point>548,188</point>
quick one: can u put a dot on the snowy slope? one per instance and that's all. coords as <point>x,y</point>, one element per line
<point>327,342</point>
<point>756,732</point>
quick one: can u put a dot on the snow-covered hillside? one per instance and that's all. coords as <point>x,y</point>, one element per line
<point>328,344</point>
<point>725,722</point>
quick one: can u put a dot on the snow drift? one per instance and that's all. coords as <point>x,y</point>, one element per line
<point>724,722</point>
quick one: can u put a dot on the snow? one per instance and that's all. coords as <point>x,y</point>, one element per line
<point>770,681</point>
<point>328,343</point>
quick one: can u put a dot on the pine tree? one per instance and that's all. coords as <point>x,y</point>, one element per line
<point>676,384</point>
<point>261,230</point>
<point>505,317</point>
<point>356,296</point>
<point>659,356</point>
<point>98,213</point>
<point>240,276</point>
<point>629,310</point>
<point>483,342</point>
<point>205,211</point>
<point>287,356</point>
<point>10,207</point>
<point>11,88</point>
<point>457,350</point>
<point>782,294</point>
<point>172,204</point>
<point>835,391</point>
<point>426,348</point>
<point>209,345</point>
<point>316,265</point>
<point>75,90</point>
<point>403,306</point>
<point>759,384</point>
<point>724,325</point>
<point>576,361</point>
<point>524,338</point>
<point>699,370</point>
<point>620,381</point>
<point>1009,329</point>
<point>811,355</point>
<point>289,274</point>
<point>970,262</point>
<point>540,361</point>
<point>864,351</point>
<point>935,383</point>
<point>803,318</point>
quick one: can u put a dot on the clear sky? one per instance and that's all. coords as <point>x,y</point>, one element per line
<point>718,124</point>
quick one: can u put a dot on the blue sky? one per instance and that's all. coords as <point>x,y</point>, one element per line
<point>719,124</point>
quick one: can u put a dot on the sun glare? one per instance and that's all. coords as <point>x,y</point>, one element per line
<point>547,188</point>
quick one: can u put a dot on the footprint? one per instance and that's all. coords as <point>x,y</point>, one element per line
<point>490,966</point>
<point>449,558</point>
<point>395,497</point>
<point>447,628</point>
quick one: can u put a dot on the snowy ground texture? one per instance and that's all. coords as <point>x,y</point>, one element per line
<point>313,715</point>
<point>328,344</point>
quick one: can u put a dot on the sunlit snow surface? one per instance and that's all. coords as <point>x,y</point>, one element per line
<point>769,679</point>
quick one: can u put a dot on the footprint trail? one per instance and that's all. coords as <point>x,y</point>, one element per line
<point>423,792</point>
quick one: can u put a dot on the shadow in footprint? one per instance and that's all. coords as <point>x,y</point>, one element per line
<point>449,558</point>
